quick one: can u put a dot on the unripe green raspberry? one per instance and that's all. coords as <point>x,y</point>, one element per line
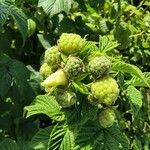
<point>99,66</point>
<point>31,26</point>
<point>45,70</point>
<point>73,67</point>
<point>107,118</point>
<point>105,90</point>
<point>70,43</point>
<point>55,79</point>
<point>53,57</point>
<point>65,97</point>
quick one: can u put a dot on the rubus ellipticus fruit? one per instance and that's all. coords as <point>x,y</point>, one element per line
<point>105,90</point>
<point>107,118</point>
<point>45,70</point>
<point>70,43</point>
<point>99,66</point>
<point>55,79</point>
<point>53,57</point>
<point>73,67</point>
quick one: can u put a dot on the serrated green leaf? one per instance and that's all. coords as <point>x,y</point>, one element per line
<point>102,139</point>
<point>8,9</point>
<point>73,115</point>
<point>56,137</point>
<point>21,21</point>
<point>115,139</point>
<point>89,112</point>
<point>55,6</point>
<point>135,96</point>
<point>105,44</point>
<point>80,114</point>
<point>18,70</point>
<point>4,12</point>
<point>88,47</point>
<point>135,99</point>
<point>87,134</point>
<point>8,144</point>
<point>49,138</point>
<point>68,141</point>
<point>47,105</point>
<point>131,69</point>
<point>20,90</point>
<point>41,139</point>
<point>138,82</point>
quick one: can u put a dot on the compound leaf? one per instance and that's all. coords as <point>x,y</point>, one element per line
<point>47,105</point>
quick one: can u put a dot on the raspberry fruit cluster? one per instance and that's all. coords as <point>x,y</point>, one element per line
<point>64,64</point>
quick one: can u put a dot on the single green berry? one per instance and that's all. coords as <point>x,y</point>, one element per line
<point>55,79</point>
<point>53,57</point>
<point>31,26</point>
<point>45,70</point>
<point>73,67</point>
<point>70,43</point>
<point>99,66</point>
<point>65,98</point>
<point>105,90</point>
<point>107,118</point>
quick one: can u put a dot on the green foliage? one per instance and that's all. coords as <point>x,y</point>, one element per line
<point>8,144</point>
<point>54,7</point>
<point>105,45</point>
<point>138,82</point>
<point>121,34</point>
<point>52,108</point>
<point>41,138</point>
<point>68,141</point>
<point>135,99</point>
<point>9,9</point>
<point>101,92</point>
<point>111,138</point>
<point>128,68</point>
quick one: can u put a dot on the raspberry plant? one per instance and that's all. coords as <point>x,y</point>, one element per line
<point>87,106</point>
